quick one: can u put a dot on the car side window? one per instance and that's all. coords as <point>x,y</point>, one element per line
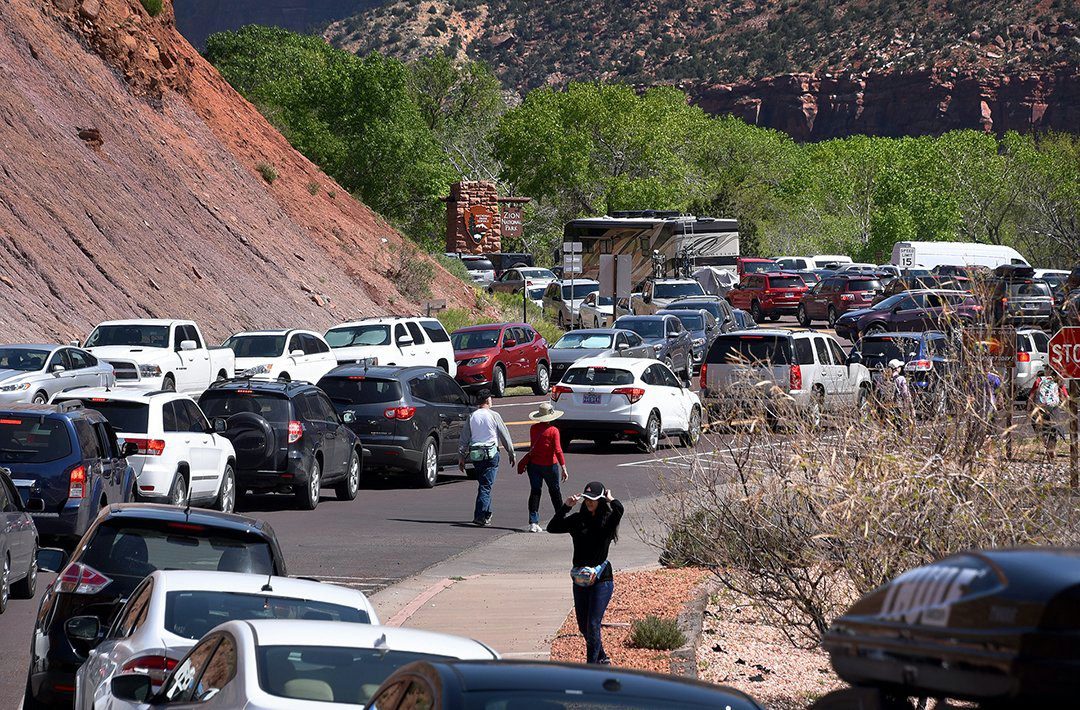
<point>804,351</point>
<point>57,359</point>
<point>88,439</point>
<point>310,344</point>
<point>305,408</point>
<point>196,419</point>
<point>80,359</point>
<point>324,408</point>
<point>664,377</point>
<point>634,339</point>
<point>906,304</point>
<point>183,418</point>
<point>822,351</point>
<point>320,344</point>
<point>424,388</point>
<point>168,418</point>
<point>451,392</point>
<point>415,332</point>
<point>295,343</point>
<point>220,669</point>
<point>399,333</point>
<point>435,331</point>
<point>134,612</point>
<point>107,438</point>
<point>933,301</point>
<point>1042,341</point>
<point>181,684</point>
<point>839,358</point>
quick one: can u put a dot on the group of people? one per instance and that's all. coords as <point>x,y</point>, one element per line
<point>593,527</point>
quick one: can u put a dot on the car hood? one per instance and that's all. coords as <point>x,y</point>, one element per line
<point>474,352</point>
<point>9,377</point>
<point>565,356</point>
<point>857,313</point>
<point>142,352</point>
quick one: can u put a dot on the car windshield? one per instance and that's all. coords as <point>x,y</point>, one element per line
<point>1030,289</point>
<point>758,267</point>
<point>647,328</point>
<point>864,285</point>
<point>537,274</point>
<point>350,335</point>
<point>126,551</point>
<point>32,439</point>
<point>360,389</point>
<point>587,341</point>
<point>692,321</point>
<point>256,345</point>
<point>587,700</point>
<point>23,359</point>
<point>475,339</point>
<point>878,351</point>
<point>734,349</point>
<point>597,376</point>
<point>191,614</point>
<point>126,417</point>
<point>889,302</point>
<point>663,290</point>
<point>146,336</point>
<point>786,282</point>
<point>274,408</point>
<point>331,674</point>
<point>579,291</point>
<point>810,278</point>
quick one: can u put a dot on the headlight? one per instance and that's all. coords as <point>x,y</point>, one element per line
<point>15,388</point>
<point>472,362</point>
<point>258,370</point>
<point>149,370</point>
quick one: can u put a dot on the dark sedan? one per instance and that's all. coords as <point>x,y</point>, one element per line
<point>702,327</point>
<point>594,342</point>
<point>463,685</point>
<point>913,311</point>
<point>671,342</point>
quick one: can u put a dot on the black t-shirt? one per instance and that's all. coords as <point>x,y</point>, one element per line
<point>592,534</point>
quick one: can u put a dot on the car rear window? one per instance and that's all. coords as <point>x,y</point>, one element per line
<point>256,345</point>
<point>864,285</point>
<point>597,376</point>
<point>360,389</point>
<point>33,439</point>
<point>586,341</point>
<point>475,339</point>
<point>772,349</point>
<point>879,351</point>
<point>676,290</point>
<point>127,417</point>
<point>1029,289</point>
<point>645,327</point>
<point>274,408</point>
<point>786,282</point>
<point>692,321</point>
<point>191,614</point>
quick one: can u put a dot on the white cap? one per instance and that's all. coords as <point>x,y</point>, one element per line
<point>896,364</point>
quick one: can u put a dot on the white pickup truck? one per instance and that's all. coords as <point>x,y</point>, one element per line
<point>166,355</point>
<point>658,294</point>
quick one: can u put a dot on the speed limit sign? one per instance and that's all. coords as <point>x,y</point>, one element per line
<point>907,257</point>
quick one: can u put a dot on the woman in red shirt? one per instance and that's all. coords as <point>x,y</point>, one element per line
<point>543,461</point>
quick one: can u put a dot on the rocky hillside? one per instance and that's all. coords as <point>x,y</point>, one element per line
<point>135,182</point>
<point>198,19</point>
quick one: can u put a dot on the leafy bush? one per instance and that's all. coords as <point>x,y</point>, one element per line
<point>153,7</point>
<point>313,188</point>
<point>657,633</point>
<point>410,271</point>
<point>268,172</point>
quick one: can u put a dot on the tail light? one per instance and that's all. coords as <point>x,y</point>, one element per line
<point>400,413</point>
<point>148,447</point>
<point>77,482</point>
<point>296,430</point>
<point>633,394</point>
<point>847,297</point>
<point>795,378</point>
<point>156,667</point>
<point>78,578</point>
<point>703,379</point>
<point>559,390</point>
<point>1004,302</point>
<point>1023,357</point>
<point>920,366</point>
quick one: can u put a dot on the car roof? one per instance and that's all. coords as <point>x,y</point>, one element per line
<point>772,332</point>
<point>913,334</point>
<point>118,395</point>
<point>205,580</point>
<point>274,331</point>
<point>386,371</point>
<point>490,326</point>
<point>378,320</point>
<point>674,281</point>
<point>33,346</point>
<point>633,317</point>
<point>295,632</point>
<point>192,516</point>
<point>567,282</point>
<point>146,321</point>
<point>277,386</point>
<point>44,410</point>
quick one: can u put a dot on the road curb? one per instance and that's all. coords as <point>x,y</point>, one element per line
<point>416,603</point>
<point>691,620</point>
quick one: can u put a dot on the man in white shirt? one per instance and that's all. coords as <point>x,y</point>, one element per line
<point>480,439</point>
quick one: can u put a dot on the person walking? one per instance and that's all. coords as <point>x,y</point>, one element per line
<point>1045,401</point>
<point>543,462</point>
<point>484,431</point>
<point>593,528</point>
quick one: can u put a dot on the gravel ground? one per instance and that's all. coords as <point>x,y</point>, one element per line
<point>739,650</point>
<point>661,592</point>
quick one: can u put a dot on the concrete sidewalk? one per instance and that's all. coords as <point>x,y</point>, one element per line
<point>512,593</point>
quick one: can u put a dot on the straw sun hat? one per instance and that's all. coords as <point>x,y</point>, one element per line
<point>545,413</point>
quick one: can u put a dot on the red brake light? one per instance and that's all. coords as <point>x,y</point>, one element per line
<point>81,579</point>
<point>1023,357</point>
<point>98,399</point>
<point>77,482</point>
<point>356,377</point>
<point>12,422</point>
<point>157,667</point>
<point>847,297</point>
<point>147,447</point>
<point>922,365</point>
<point>296,430</point>
<point>245,391</point>
<point>186,527</point>
<point>795,378</point>
<point>633,394</point>
<point>703,379</point>
<point>559,390</point>
<point>400,413</point>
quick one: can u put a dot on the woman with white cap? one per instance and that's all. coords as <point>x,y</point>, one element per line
<point>593,529</point>
<point>543,462</point>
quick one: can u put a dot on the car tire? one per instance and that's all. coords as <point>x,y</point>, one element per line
<point>543,380</point>
<point>168,384</point>
<point>40,398</point>
<point>347,489</point>
<point>755,312</point>
<point>226,497</point>
<point>693,429</point>
<point>832,317</point>
<point>689,370</point>
<point>803,317</point>
<point>498,381</point>
<point>29,701</point>
<point>428,474</point>
<point>179,492</point>
<point>307,494</point>
<point>650,442</point>
<point>774,317</point>
<point>26,587</point>
<point>875,329</point>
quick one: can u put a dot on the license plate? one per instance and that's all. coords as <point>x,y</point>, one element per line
<point>591,399</point>
<point>1031,306</point>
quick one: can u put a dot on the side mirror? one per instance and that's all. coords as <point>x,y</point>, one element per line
<point>404,341</point>
<point>57,369</point>
<point>83,629</point>
<point>296,353</point>
<point>51,559</point>
<point>132,687</point>
<point>221,425</point>
<point>672,335</point>
<point>187,345</point>
<point>74,343</point>
<point>509,343</point>
<point>622,346</point>
<point>348,417</point>
<point>129,449</point>
<point>35,505</point>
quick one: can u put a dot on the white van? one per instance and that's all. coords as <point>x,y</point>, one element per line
<point>931,254</point>
<point>809,263</point>
<point>830,261</point>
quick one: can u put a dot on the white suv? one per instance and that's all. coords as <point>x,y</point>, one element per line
<point>605,398</point>
<point>1032,359</point>
<point>180,456</point>
<point>393,341</point>
<point>281,354</point>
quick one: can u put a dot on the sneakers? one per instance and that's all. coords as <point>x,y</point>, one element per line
<point>535,528</point>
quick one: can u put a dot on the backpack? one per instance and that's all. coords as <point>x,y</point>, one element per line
<point>1048,394</point>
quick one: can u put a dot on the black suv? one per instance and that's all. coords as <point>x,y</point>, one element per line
<point>287,437</point>
<point>410,418</point>
<point>1017,297</point>
<point>66,463</point>
<point>930,363</point>
<point>124,544</point>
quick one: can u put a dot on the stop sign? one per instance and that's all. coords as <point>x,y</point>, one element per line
<point>1065,353</point>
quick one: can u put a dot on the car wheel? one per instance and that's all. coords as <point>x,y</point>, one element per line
<point>803,317</point>
<point>5,585</point>
<point>670,364</point>
<point>428,475</point>
<point>689,367</point>
<point>40,398</point>
<point>498,382</point>
<point>347,489</point>
<point>26,587</point>
<point>693,429</point>
<point>543,380</point>
<point>651,441</point>
<point>226,500</point>
<point>755,311</point>
<point>774,317</point>
<point>862,403</point>
<point>832,317</point>
<point>307,495</point>
<point>875,329</point>
<point>178,494</point>
<point>168,384</point>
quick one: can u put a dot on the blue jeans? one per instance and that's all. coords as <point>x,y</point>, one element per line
<point>485,476</point>
<point>590,603</point>
<point>538,476</point>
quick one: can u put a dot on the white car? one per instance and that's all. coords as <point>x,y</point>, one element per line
<point>180,456</point>
<point>151,354</point>
<point>607,398</point>
<point>281,354</point>
<point>1032,359</point>
<point>857,267</point>
<point>34,373</point>
<point>596,311</point>
<point>393,341</point>
<point>270,664</point>
<point>170,611</point>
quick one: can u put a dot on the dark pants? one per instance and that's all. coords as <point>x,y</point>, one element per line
<point>538,476</point>
<point>485,476</point>
<point>590,603</point>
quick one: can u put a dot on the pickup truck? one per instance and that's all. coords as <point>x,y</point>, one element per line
<point>658,294</point>
<point>168,355</point>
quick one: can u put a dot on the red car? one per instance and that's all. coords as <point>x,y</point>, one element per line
<point>752,265</point>
<point>769,294</point>
<point>835,296</point>
<point>498,355</point>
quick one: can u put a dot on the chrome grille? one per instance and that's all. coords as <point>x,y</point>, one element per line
<point>124,370</point>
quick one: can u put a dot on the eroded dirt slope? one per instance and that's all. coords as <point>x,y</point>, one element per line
<point>130,187</point>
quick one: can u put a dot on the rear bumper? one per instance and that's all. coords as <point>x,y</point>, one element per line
<point>72,521</point>
<point>588,429</point>
<point>393,457</point>
<point>295,473</point>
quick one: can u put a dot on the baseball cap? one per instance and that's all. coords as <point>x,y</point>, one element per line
<point>594,491</point>
<point>896,364</point>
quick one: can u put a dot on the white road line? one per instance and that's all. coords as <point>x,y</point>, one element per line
<point>517,404</point>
